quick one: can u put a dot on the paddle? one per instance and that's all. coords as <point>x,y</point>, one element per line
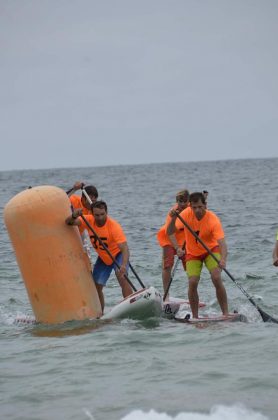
<point>73,189</point>
<point>132,269</point>
<point>69,191</point>
<point>136,275</point>
<point>107,250</point>
<point>172,276</point>
<point>264,315</point>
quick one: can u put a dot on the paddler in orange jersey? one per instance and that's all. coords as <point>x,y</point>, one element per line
<point>112,235</point>
<point>80,202</point>
<point>208,227</point>
<point>170,245</point>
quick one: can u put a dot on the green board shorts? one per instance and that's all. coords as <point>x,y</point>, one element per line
<point>194,266</point>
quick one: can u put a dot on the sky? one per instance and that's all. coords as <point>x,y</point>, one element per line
<point>87,83</point>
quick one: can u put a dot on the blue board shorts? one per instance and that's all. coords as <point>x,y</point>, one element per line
<point>102,271</point>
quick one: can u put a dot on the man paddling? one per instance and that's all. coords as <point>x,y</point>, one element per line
<point>170,245</point>
<point>108,238</point>
<point>81,202</point>
<point>209,229</point>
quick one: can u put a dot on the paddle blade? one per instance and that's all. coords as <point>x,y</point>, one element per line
<point>266,317</point>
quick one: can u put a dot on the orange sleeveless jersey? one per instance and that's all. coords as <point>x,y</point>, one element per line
<point>111,235</point>
<point>163,238</point>
<point>209,230</point>
<point>77,204</point>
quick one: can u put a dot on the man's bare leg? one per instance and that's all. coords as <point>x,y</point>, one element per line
<point>126,288</point>
<point>166,277</point>
<point>193,295</point>
<point>220,290</point>
<point>99,288</point>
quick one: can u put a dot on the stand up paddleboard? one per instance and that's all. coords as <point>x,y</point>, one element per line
<point>145,303</point>
<point>187,318</point>
<point>25,320</point>
<point>173,305</point>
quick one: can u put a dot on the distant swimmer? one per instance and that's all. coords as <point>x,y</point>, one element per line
<point>207,226</point>
<point>275,252</point>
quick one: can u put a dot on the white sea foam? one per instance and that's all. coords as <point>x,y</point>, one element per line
<point>219,412</point>
<point>88,414</point>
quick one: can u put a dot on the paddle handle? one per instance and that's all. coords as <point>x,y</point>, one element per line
<point>70,190</point>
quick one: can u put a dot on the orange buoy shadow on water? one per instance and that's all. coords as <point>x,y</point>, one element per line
<point>67,329</point>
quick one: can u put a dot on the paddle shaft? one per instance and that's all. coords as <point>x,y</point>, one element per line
<point>172,276</point>
<point>136,275</point>
<point>264,315</point>
<point>132,269</point>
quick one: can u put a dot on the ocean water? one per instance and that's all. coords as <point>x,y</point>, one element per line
<point>157,369</point>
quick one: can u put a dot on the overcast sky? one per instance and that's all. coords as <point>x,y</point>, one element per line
<point>96,82</point>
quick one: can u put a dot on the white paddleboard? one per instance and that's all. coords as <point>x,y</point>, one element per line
<point>144,303</point>
<point>173,305</point>
<point>24,319</point>
<point>186,317</point>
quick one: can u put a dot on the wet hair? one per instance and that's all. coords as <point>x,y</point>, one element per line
<point>196,196</point>
<point>91,191</point>
<point>183,194</point>
<point>100,205</point>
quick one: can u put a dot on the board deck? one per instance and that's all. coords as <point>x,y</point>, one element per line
<point>25,320</point>
<point>142,304</point>
<point>173,305</point>
<point>186,318</point>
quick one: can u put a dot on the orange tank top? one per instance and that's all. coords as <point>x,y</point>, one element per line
<point>111,235</point>
<point>163,238</point>
<point>209,229</point>
<point>77,204</point>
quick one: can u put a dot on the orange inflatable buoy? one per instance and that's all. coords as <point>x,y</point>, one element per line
<point>51,256</point>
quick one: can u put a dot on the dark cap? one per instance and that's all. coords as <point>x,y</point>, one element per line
<point>91,190</point>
